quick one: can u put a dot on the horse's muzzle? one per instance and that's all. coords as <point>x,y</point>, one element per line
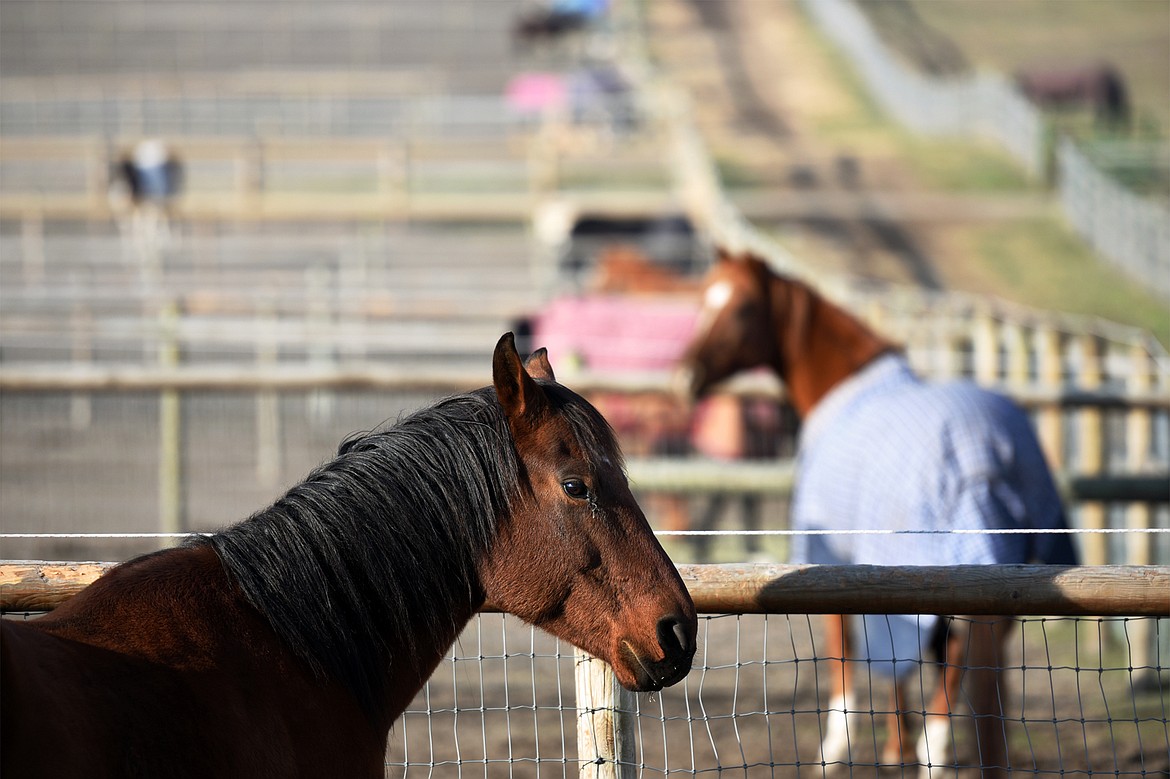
<point>677,642</point>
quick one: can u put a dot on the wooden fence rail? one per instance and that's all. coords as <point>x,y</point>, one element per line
<point>278,178</point>
<point>765,588</point>
<point>607,742</point>
<point>295,377</point>
<point>1089,480</point>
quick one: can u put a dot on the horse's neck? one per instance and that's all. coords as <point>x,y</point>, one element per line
<point>821,345</point>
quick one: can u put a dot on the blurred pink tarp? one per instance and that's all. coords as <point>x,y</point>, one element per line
<point>536,92</point>
<point>616,333</point>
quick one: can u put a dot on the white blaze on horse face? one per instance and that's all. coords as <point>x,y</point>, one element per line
<point>715,299</point>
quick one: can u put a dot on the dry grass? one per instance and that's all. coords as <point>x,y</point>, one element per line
<point>1004,35</point>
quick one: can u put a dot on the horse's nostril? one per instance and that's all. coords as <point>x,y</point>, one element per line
<point>673,636</point>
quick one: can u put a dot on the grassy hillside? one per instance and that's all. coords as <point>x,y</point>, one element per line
<point>1003,35</point>
<point>1036,262</point>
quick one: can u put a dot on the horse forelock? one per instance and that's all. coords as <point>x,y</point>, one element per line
<point>369,561</point>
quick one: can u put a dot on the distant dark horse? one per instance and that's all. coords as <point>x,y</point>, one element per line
<point>1100,87</point>
<point>882,450</point>
<point>288,644</point>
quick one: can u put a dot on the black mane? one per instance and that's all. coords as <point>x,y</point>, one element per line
<point>380,545</point>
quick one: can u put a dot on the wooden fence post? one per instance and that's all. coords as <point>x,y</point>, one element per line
<point>1138,436</point>
<point>1016,343</point>
<point>269,462</point>
<point>605,725</point>
<point>1090,447</point>
<point>985,344</point>
<point>1139,548</point>
<point>1049,375</point>
<point>951,352</point>
<point>170,423</point>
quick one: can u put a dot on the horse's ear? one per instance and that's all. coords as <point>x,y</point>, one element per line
<point>517,392</point>
<point>538,366</point>
<point>725,255</point>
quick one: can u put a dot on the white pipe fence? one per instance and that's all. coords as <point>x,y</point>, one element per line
<point>1131,231</point>
<point>983,105</point>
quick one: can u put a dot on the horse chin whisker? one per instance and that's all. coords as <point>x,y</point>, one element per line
<point>647,681</point>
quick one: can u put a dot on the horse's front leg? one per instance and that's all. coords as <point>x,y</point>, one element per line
<point>899,748</point>
<point>971,669</point>
<point>835,744</point>
<point>984,688</point>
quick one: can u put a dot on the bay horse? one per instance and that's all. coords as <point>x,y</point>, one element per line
<point>882,450</point>
<point>288,644</point>
<point>1099,86</point>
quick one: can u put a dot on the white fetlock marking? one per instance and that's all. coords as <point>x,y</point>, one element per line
<point>835,746</point>
<point>935,749</point>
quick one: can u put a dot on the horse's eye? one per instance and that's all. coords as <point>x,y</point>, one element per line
<point>575,488</point>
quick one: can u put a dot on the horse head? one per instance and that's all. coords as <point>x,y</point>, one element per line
<point>753,317</point>
<point>733,332</point>
<point>577,556</point>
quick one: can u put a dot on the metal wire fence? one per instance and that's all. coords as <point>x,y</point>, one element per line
<point>757,701</point>
<point>1081,696</point>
